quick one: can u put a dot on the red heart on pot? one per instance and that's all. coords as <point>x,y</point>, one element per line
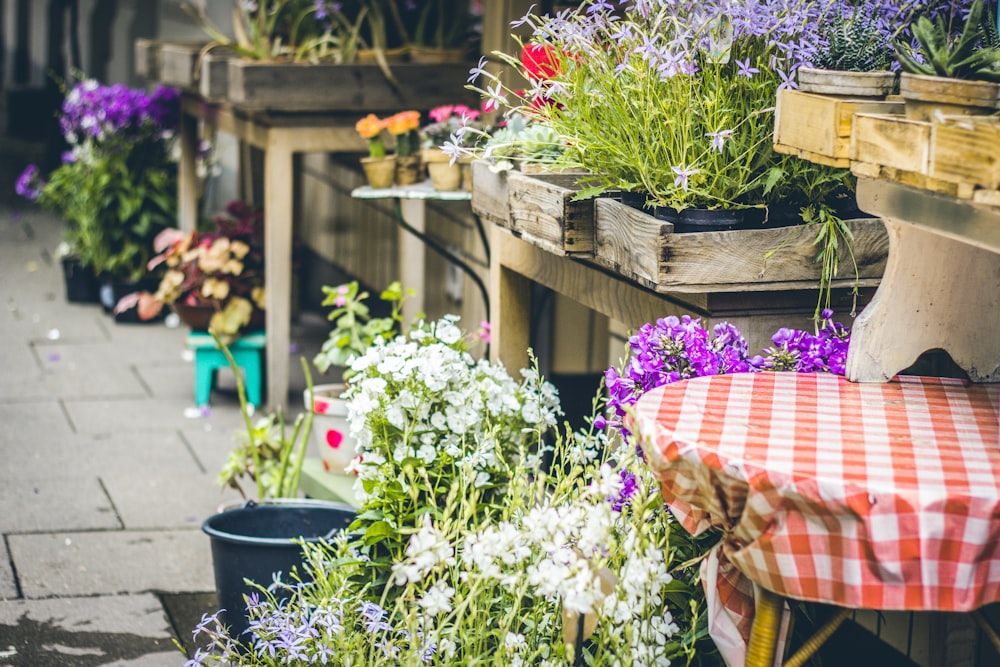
<point>320,406</point>
<point>334,438</point>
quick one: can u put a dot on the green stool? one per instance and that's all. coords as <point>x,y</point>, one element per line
<point>208,358</point>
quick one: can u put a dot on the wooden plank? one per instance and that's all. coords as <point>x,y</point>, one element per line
<point>213,74</point>
<point>967,150</point>
<point>542,211</point>
<point>147,58</point>
<point>489,194</point>
<point>645,249</point>
<point>820,125</point>
<point>891,141</point>
<point>360,88</point>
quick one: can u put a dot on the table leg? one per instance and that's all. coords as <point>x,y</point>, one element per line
<point>187,174</point>
<point>278,212</point>
<point>766,627</point>
<point>510,308</point>
<point>412,256</point>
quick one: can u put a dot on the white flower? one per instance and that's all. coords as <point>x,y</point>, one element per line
<point>427,454</point>
<point>482,479</point>
<point>437,599</point>
<point>514,643</point>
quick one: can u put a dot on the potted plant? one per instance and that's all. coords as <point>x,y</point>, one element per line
<point>404,127</point>
<point>441,34</point>
<point>953,67</point>
<point>354,331</point>
<point>116,186</point>
<point>854,52</point>
<point>379,168</point>
<point>444,170</point>
<point>213,280</point>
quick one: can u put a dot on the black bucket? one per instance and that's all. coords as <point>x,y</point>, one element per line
<point>82,284</point>
<point>254,541</point>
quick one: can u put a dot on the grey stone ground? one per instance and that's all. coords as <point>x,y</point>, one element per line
<point>104,481</point>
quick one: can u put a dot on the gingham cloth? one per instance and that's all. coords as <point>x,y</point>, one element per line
<point>878,496</point>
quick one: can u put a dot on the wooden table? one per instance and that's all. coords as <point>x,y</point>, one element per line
<point>280,136</point>
<point>861,495</point>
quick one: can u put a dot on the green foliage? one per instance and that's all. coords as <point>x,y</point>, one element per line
<point>442,24</point>
<point>945,52</point>
<point>853,42</point>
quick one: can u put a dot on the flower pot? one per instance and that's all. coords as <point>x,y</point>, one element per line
<point>197,317</point>
<point>634,199</point>
<point>430,55</point>
<point>408,169</point>
<point>699,219</point>
<point>114,289</point>
<point>370,56</point>
<point>82,284</point>
<point>255,541</point>
<point>846,83</point>
<point>379,171</point>
<point>924,96</point>
<point>330,430</point>
<point>444,175</point>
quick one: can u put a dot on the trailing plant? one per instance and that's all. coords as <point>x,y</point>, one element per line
<point>959,51</point>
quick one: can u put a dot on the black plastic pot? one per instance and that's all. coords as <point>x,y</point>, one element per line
<point>113,289</point>
<point>82,285</point>
<point>255,541</point>
<point>699,219</point>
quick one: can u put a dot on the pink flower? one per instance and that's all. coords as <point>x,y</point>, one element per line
<point>341,299</point>
<point>441,113</point>
<point>484,331</point>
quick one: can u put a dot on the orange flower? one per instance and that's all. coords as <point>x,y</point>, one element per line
<point>369,126</point>
<point>403,122</point>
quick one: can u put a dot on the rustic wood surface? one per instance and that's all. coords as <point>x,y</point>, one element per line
<point>939,290</point>
<point>542,211</point>
<point>967,151</point>
<point>821,124</point>
<point>489,194</point>
<point>891,141</point>
<point>177,63</point>
<point>359,88</point>
<point>213,74</point>
<point>639,246</point>
<point>147,58</point>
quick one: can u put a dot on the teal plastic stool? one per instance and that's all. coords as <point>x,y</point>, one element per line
<point>246,351</point>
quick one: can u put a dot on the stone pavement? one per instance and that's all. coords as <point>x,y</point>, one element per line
<point>106,476</point>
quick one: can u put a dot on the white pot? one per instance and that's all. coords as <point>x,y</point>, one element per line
<point>330,432</point>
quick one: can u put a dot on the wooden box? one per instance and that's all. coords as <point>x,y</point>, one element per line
<point>147,58</point>
<point>213,74</point>
<point>967,150</point>
<point>645,249</point>
<point>489,194</point>
<point>542,211</point>
<point>177,64</point>
<point>818,127</point>
<point>891,141</point>
<point>356,88</point>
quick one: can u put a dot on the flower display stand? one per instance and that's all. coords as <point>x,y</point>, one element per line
<point>208,358</point>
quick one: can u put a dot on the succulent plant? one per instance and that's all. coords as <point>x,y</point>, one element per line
<point>853,41</point>
<point>972,54</point>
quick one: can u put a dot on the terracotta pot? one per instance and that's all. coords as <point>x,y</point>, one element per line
<point>380,171</point>
<point>408,169</point>
<point>924,96</point>
<point>444,175</point>
<point>848,84</point>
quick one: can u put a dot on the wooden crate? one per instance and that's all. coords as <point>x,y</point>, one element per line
<point>147,58</point>
<point>891,141</point>
<point>642,248</point>
<point>818,127</point>
<point>355,88</point>
<point>543,212</point>
<point>489,194</point>
<point>213,74</point>
<point>967,150</point>
<point>177,64</point>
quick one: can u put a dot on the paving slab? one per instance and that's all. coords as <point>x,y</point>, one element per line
<point>126,415</point>
<point>66,501</point>
<point>32,421</point>
<point>131,631</point>
<point>81,370</point>
<point>74,564</point>
<point>8,589</point>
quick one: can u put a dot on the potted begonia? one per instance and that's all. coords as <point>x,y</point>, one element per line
<point>379,168</point>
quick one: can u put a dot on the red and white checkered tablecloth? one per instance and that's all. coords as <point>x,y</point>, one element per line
<point>879,496</point>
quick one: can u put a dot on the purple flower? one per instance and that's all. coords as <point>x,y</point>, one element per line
<point>719,138</point>
<point>681,181</point>
<point>29,183</point>
<point>622,500</point>
<point>745,69</point>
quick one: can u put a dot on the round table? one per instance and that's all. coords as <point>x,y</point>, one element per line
<point>861,495</point>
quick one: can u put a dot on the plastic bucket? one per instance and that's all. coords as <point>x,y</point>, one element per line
<point>254,541</point>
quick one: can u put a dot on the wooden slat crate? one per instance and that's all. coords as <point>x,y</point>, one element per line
<point>818,127</point>
<point>177,64</point>
<point>213,74</point>
<point>147,58</point>
<point>891,141</point>
<point>638,246</point>
<point>489,194</point>
<point>967,150</point>
<point>543,212</point>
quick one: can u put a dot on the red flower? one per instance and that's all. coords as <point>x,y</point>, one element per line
<point>540,61</point>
